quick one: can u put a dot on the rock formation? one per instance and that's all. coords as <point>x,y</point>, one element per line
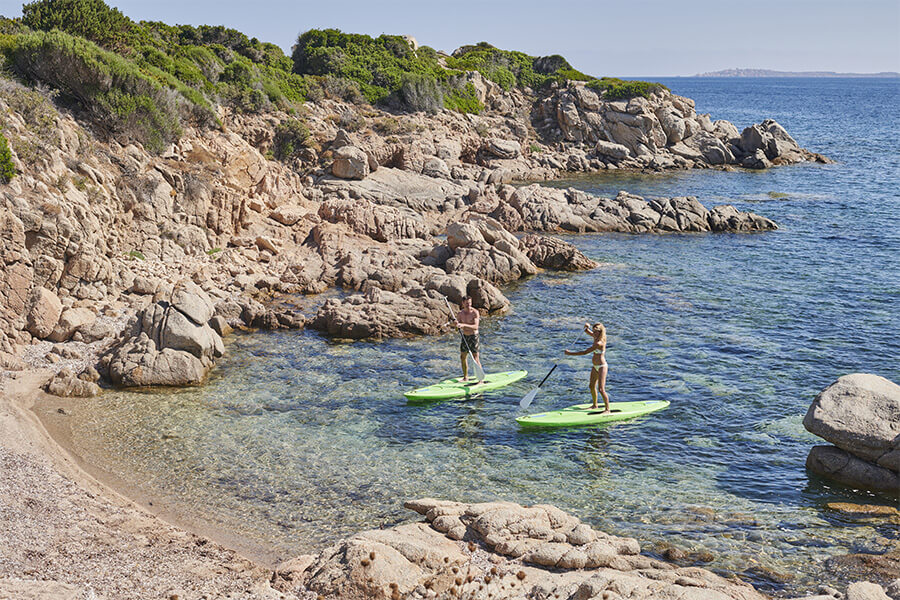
<point>168,343</point>
<point>659,132</point>
<point>498,550</point>
<point>860,415</point>
<point>94,232</point>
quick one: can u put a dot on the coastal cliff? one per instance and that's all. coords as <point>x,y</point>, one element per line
<point>104,220</point>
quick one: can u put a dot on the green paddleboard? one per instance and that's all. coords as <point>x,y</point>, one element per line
<point>454,388</point>
<point>583,414</point>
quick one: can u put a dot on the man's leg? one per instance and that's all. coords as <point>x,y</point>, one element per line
<point>465,365</point>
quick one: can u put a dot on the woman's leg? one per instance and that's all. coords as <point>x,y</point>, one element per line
<point>593,387</point>
<point>602,384</point>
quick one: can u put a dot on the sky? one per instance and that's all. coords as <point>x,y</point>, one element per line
<point>625,38</point>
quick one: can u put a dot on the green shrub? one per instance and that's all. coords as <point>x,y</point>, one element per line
<point>7,169</point>
<point>510,68</point>
<point>90,19</point>
<point>112,89</point>
<point>379,66</point>
<point>617,89</point>
<point>464,100</point>
<point>386,125</point>
<point>34,108</point>
<point>290,137</point>
<point>420,92</point>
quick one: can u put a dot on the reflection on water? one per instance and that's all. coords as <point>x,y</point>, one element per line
<point>298,441</point>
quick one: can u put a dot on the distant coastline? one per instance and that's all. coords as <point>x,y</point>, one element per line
<point>770,73</point>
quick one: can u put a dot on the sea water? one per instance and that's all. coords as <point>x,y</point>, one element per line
<point>298,441</point>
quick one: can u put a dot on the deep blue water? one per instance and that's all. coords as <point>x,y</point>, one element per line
<point>298,441</point>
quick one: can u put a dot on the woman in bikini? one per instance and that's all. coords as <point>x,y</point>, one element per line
<point>599,369</point>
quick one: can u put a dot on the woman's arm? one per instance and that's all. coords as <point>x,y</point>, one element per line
<point>579,352</point>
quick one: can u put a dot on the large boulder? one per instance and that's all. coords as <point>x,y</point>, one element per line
<point>138,362</point>
<point>67,385</point>
<point>70,321</point>
<point>382,223</point>
<point>350,163</point>
<point>852,471</point>
<point>725,217</point>
<point>382,314</point>
<point>612,150</point>
<point>552,253</point>
<point>772,139</point>
<point>43,312</point>
<point>502,148</point>
<point>860,413</point>
<point>395,187</point>
<point>189,298</point>
<point>168,343</point>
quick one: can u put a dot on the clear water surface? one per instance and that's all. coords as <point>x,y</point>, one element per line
<point>298,440</point>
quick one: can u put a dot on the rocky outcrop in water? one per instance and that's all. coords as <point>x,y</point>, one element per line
<point>498,550</point>
<point>539,208</point>
<point>662,131</point>
<point>860,415</point>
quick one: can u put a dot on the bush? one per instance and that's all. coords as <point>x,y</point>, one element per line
<point>112,89</point>
<point>617,89</point>
<point>90,19</point>
<point>290,136</point>
<point>34,108</point>
<point>464,100</point>
<point>7,169</point>
<point>422,93</point>
<point>379,66</point>
<point>510,68</point>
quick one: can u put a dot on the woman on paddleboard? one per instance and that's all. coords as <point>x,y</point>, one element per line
<point>599,368</point>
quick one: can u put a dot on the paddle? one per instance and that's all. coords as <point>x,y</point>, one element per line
<point>479,371</point>
<point>530,396</point>
<point>526,400</point>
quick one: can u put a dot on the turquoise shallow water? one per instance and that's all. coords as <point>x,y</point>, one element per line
<point>298,441</point>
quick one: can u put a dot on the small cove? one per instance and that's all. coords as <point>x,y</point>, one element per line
<point>298,441</point>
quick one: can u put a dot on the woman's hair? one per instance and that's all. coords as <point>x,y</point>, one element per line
<point>601,329</point>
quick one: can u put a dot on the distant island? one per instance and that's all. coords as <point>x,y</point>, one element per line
<point>769,73</point>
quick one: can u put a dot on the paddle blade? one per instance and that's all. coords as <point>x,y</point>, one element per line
<point>528,398</point>
<point>478,370</point>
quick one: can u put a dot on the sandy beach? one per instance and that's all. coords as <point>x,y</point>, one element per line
<point>69,536</point>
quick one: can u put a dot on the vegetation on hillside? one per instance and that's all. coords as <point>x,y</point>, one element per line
<point>145,81</point>
<point>513,69</point>
<point>617,89</point>
<point>7,169</point>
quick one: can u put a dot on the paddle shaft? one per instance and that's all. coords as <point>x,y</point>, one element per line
<point>529,397</point>
<point>547,375</point>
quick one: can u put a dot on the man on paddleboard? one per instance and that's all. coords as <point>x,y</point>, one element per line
<point>467,320</point>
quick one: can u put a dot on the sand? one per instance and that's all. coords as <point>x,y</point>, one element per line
<point>66,535</point>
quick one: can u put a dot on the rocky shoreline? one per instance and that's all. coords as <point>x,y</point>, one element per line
<point>70,537</point>
<point>121,267</point>
<point>96,234</point>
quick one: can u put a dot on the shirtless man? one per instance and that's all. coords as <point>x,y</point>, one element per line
<point>467,321</point>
